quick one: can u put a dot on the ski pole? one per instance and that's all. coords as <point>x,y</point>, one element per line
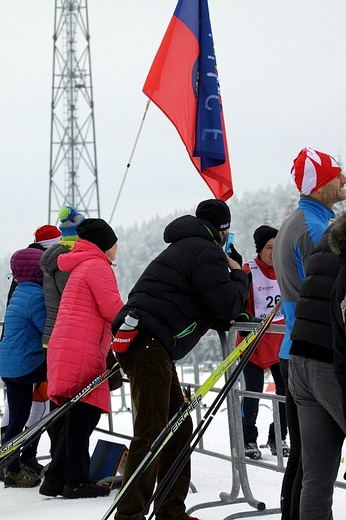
<point>187,408</point>
<point>173,473</point>
<point>10,450</point>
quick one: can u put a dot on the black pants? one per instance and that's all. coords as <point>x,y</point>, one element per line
<point>254,381</point>
<point>71,459</point>
<point>292,481</point>
<point>55,431</point>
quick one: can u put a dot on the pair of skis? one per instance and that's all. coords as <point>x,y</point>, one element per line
<point>11,449</point>
<point>251,340</point>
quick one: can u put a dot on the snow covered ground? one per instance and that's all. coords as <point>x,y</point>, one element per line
<point>210,475</point>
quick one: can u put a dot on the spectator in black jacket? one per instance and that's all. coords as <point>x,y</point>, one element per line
<point>338,244</point>
<point>314,386</point>
<point>54,282</point>
<point>190,287</point>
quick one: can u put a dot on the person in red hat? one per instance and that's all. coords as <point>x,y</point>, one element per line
<point>320,181</point>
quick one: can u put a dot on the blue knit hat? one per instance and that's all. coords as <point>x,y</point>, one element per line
<point>70,219</point>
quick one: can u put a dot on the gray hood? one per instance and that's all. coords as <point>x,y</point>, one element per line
<point>49,260</point>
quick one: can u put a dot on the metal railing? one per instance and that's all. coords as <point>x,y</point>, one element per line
<point>241,486</point>
<point>240,480</point>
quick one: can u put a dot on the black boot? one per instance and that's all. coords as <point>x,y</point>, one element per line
<point>89,490</point>
<point>28,457</point>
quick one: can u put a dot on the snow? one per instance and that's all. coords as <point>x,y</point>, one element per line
<point>210,475</point>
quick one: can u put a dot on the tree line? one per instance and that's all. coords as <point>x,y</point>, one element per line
<point>141,242</point>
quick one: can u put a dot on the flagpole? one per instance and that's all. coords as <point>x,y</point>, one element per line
<point>130,160</point>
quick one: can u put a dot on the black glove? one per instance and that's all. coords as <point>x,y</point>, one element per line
<point>235,255</point>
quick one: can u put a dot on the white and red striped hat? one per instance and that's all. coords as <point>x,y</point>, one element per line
<point>311,170</point>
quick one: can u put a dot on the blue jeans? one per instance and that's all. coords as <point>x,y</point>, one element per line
<point>317,394</point>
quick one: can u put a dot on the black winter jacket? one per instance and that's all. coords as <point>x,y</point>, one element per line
<point>312,333</point>
<point>337,241</point>
<point>54,282</point>
<point>187,289</point>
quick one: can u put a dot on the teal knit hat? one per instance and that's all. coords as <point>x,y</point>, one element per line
<point>69,218</point>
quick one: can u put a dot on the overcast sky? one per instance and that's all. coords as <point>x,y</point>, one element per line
<point>283,83</point>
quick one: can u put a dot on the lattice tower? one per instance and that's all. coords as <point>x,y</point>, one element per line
<point>73,166</point>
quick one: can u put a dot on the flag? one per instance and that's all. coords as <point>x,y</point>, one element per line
<point>183,82</point>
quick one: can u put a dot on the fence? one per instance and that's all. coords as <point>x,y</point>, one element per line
<point>240,480</point>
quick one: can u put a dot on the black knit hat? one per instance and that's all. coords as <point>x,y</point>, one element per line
<point>97,231</point>
<point>262,235</point>
<point>216,212</point>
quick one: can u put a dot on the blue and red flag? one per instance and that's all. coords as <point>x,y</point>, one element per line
<point>183,82</point>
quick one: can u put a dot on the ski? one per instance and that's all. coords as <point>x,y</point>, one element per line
<point>12,448</point>
<point>187,407</point>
